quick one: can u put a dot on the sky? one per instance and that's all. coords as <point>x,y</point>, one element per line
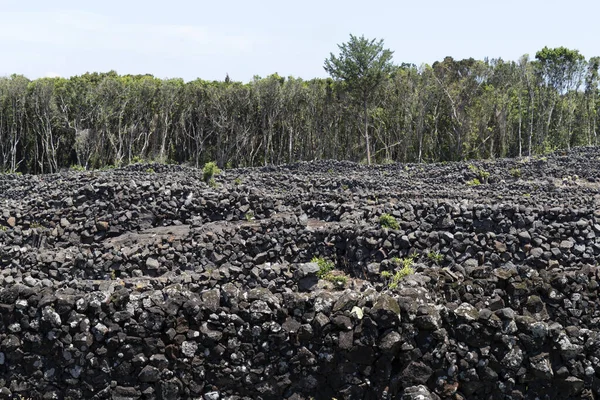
<point>243,38</point>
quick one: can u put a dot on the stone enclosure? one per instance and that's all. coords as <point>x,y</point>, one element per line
<point>144,282</point>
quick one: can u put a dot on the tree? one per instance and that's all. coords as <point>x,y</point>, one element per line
<point>561,71</point>
<point>362,65</point>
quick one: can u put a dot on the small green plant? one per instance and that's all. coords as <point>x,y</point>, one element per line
<point>388,221</point>
<point>386,274</point>
<point>325,266</point>
<point>344,187</point>
<point>237,181</point>
<point>137,160</point>
<point>474,182</point>
<point>3,228</point>
<point>526,194</point>
<point>77,168</point>
<point>212,183</point>
<point>337,279</point>
<point>35,225</point>
<point>150,170</point>
<point>435,256</point>
<point>406,270</point>
<point>406,261</point>
<point>515,172</point>
<point>229,165</point>
<point>209,171</point>
<point>327,272</point>
<point>249,216</point>
<point>482,174</point>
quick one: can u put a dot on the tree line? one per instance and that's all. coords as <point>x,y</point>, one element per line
<point>450,110</point>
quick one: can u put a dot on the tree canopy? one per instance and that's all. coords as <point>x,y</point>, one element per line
<point>362,65</point>
<point>369,110</point>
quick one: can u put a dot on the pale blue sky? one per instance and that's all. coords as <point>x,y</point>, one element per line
<point>208,39</point>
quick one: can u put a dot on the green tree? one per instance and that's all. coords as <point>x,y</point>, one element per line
<point>362,65</point>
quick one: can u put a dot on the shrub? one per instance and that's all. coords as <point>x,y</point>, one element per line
<point>515,172</point>
<point>209,171</point>
<point>388,221</point>
<point>77,168</point>
<point>137,160</point>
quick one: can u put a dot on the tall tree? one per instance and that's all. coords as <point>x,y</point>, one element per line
<point>362,65</point>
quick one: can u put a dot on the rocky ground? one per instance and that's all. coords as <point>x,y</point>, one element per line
<point>146,283</point>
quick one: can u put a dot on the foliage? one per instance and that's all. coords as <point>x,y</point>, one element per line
<point>449,111</point>
<point>325,266</point>
<point>209,171</point>
<point>249,216</point>
<point>327,272</point>
<point>362,66</point>
<point>77,168</point>
<point>388,221</point>
<point>435,256</point>
<point>515,172</point>
<point>474,182</point>
<point>405,270</point>
<point>482,174</point>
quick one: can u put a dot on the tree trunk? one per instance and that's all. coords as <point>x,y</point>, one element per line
<point>367,133</point>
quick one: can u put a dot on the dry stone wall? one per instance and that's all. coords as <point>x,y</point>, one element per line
<point>146,283</point>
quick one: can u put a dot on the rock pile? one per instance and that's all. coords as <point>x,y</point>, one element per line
<point>146,283</point>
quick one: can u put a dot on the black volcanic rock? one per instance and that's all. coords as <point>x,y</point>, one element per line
<point>132,284</point>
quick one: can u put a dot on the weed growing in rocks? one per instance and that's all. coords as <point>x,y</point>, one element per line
<point>515,172</point>
<point>388,221</point>
<point>328,273</point>
<point>406,269</point>
<point>249,216</point>
<point>482,175</point>
<point>150,170</point>
<point>237,181</point>
<point>209,171</point>
<point>435,256</point>
<point>325,266</point>
<point>474,182</point>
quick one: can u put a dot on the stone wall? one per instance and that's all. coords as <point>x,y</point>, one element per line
<point>146,283</point>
